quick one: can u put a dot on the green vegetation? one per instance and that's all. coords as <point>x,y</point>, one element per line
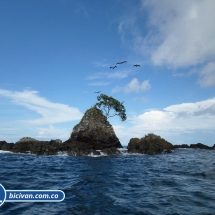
<point>151,136</point>
<point>111,107</point>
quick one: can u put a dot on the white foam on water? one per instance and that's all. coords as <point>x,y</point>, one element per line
<point>64,153</point>
<point>4,152</point>
<point>123,150</point>
<point>101,154</point>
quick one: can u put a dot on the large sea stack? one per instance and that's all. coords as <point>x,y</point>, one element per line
<point>94,132</point>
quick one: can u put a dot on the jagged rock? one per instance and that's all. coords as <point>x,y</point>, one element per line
<point>150,144</point>
<point>93,132</point>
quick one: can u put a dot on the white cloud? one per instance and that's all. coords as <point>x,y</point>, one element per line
<point>184,31</point>
<point>176,34</point>
<point>197,108</point>
<point>50,112</point>
<point>185,116</point>
<point>51,132</point>
<point>133,86</point>
<point>173,122</point>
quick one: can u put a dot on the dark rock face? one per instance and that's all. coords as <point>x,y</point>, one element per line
<point>6,146</point>
<point>150,144</point>
<point>195,146</point>
<point>200,146</point>
<point>93,132</point>
<point>111,151</point>
<point>184,146</point>
<point>30,145</point>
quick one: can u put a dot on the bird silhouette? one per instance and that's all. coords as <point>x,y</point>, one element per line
<point>121,62</point>
<point>136,65</point>
<point>98,92</point>
<point>113,67</point>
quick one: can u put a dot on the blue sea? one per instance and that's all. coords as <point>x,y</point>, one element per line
<point>182,182</point>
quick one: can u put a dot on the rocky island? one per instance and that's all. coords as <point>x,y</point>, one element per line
<point>150,144</point>
<point>94,135</point>
<point>94,132</point>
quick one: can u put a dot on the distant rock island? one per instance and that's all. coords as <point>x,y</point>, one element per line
<point>150,144</point>
<point>94,135</point>
<point>194,146</point>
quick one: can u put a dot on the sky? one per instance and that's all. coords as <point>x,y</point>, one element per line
<point>55,54</point>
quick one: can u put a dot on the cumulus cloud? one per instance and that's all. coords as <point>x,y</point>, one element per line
<point>185,33</point>
<point>176,120</point>
<point>185,116</point>
<point>197,108</point>
<point>50,112</point>
<point>180,34</point>
<point>133,86</point>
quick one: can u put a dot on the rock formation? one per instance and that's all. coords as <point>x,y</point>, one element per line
<point>200,146</point>
<point>184,146</point>
<point>150,144</point>
<point>93,132</point>
<point>33,146</point>
<point>195,146</point>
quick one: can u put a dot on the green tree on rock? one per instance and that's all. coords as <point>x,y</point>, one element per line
<point>107,103</point>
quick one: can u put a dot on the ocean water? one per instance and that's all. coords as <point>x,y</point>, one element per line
<point>182,182</point>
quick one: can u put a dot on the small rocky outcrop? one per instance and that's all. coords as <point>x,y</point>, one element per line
<point>33,146</point>
<point>93,132</point>
<point>194,146</point>
<point>150,144</point>
<point>200,146</point>
<point>6,146</point>
<point>183,146</point>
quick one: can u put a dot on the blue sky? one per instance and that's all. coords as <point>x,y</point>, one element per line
<point>54,54</point>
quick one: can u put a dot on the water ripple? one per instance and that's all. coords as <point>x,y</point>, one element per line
<point>179,183</point>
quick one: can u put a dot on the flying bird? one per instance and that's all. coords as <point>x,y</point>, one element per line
<point>98,92</point>
<point>136,65</point>
<point>113,67</point>
<point>121,62</point>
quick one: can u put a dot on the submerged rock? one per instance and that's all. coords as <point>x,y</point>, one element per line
<point>150,144</point>
<point>94,132</point>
